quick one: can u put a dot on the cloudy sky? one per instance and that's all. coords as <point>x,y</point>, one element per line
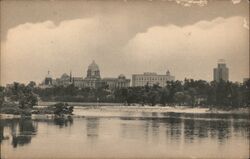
<point>183,36</point>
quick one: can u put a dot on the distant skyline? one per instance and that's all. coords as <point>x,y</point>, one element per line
<point>123,37</point>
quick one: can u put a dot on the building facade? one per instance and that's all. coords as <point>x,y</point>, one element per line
<point>151,78</point>
<point>48,79</point>
<point>64,80</point>
<point>92,80</point>
<point>120,82</point>
<point>221,72</point>
<point>47,82</point>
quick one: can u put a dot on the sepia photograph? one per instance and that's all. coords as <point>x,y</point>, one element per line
<point>124,79</point>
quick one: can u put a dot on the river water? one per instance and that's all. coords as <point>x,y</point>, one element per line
<point>97,133</point>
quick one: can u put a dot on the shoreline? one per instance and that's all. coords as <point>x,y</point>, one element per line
<point>113,111</point>
<point>207,109</point>
<point>117,109</point>
<point>42,103</point>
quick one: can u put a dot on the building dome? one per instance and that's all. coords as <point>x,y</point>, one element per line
<point>64,76</point>
<point>121,76</point>
<point>93,66</point>
<point>48,75</point>
<point>168,73</point>
<point>48,79</point>
<point>93,71</point>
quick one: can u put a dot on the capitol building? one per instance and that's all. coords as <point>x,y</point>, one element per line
<point>92,80</point>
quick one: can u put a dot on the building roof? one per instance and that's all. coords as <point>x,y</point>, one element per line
<point>93,66</point>
<point>77,78</point>
<point>121,76</point>
<point>149,73</point>
<point>48,75</point>
<point>109,79</point>
<point>65,76</point>
<point>221,61</point>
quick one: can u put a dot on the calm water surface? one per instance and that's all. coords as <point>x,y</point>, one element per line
<point>127,135</point>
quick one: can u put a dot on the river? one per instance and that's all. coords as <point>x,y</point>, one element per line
<point>109,133</point>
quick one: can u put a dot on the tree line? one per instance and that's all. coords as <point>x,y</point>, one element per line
<point>225,94</point>
<point>19,93</point>
<point>189,93</point>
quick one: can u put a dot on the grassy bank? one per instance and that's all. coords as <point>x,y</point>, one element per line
<point>15,109</point>
<point>42,103</point>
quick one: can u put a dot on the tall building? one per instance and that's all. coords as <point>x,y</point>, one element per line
<point>221,72</point>
<point>151,78</point>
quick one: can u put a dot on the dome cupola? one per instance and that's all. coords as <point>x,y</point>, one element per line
<point>48,75</point>
<point>121,76</point>
<point>65,76</point>
<point>93,71</point>
<point>93,66</point>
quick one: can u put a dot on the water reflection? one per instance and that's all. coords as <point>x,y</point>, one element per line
<point>63,121</point>
<point>155,126</point>
<point>26,130</point>
<point>166,132</point>
<point>92,127</point>
<point>191,126</point>
<point>173,128</point>
<point>21,130</point>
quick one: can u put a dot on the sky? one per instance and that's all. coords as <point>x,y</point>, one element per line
<point>186,37</point>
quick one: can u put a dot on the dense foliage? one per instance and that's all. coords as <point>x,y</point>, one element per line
<point>20,94</point>
<point>2,94</point>
<point>61,108</point>
<point>188,92</point>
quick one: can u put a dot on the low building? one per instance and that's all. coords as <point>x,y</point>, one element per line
<point>151,78</point>
<point>120,82</point>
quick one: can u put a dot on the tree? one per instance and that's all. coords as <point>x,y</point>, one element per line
<point>32,84</point>
<point>2,94</point>
<point>173,87</point>
<point>191,92</point>
<point>164,93</point>
<point>245,90</point>
<point>22,94</point>
<point>62,108</point>
<point>153,97</point>
<point>182,98</point>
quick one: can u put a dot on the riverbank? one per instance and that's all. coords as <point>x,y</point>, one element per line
<point>146,108</point>
<point>105,109</point>
<point>41,103</point>
<point>78,110</point>
<point>140,113</point>
<point>120,111</point>
<point>16,109</point>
